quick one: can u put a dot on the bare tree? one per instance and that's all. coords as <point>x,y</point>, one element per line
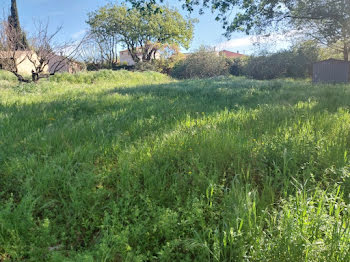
<point>44,55</point>
<point>10,57</point>
<point>90,52</point>
<point>49,57</point>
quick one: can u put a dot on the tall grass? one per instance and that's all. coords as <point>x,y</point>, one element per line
<point>120,166</point>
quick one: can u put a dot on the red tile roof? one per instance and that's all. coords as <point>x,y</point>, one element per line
<point>230,54</point>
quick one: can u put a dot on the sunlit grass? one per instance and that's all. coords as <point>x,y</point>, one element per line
<point>121,166</point>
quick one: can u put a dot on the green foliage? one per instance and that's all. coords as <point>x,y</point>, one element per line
<point>325,21</point>
<point>331,52</point>
<point>18,35</point>
<point>164,64</point>
<point>296,62</point>
<point>122,166</point>
<point>236,66</point>
<point>137,29</point>
<point>201,64</point>
<point>7,76</point>
<point>146,66</point>
<point>103,76</point>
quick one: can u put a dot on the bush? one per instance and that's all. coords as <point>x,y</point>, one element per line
<point>164,64</point>
<point>296,62</point>
<point>265,67</point>
<point>102,75</point>
<point>236,66</point>
<point>92,66</point>
<point>201,64</point>
<point>8,76</point>
<point>146,66</point>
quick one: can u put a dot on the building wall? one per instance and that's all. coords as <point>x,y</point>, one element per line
<point>331,71</point>
<point>125,57</point>
<point>25,66</point>
<point>57,65</point>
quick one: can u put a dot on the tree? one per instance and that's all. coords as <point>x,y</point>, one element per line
<point>203,63</point>
<point>143,31</point>
<point>14,24</point>
<point>43,54</point>
<point>10,56</point>
<point>103,38</point>
<point>46,54</point>
<point>327,21</point>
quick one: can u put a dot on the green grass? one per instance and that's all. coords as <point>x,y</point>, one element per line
<point>121,166</point>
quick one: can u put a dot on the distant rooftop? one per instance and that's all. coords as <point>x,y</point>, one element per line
<point>231,54</point>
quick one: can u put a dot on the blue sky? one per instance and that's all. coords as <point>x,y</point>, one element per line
<point>72,14</point>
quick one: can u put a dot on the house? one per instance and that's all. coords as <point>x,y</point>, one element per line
<point>60,64</point>
<point>230,54</point>
<point>25,61</point>
<point>331,71</point>
<point>125,56</point>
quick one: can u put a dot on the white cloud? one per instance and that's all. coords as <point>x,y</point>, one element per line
<point>249,43</point>
<point>235,43</point>
<point>79,34</point>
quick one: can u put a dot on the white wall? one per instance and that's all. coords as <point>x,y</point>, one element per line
<point>125,57</point>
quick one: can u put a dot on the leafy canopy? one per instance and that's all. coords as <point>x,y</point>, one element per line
<point>142,28</point>
<point>327,21</point>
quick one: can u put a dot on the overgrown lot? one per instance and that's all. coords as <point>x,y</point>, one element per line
<point>121,166</point>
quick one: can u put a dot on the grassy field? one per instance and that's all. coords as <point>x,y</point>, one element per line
<point>121,166</point>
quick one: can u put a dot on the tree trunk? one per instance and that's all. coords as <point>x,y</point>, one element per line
<point>346,52</point>
<point>134,55</point>
<point>20,78</point>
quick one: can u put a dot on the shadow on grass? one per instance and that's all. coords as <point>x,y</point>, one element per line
<point>61,152</point>
<point>140,111</point>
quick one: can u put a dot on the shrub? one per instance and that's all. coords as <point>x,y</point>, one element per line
<point>6,75</point>
<point>296,62</point>
<point>169,56</point>
<point>102,75</point>
<point>166,65</point>
<point>236,66</point>
<point>146,66</point>
<point>202,64</point>
<point>266,67</point>
<point>93,66</point>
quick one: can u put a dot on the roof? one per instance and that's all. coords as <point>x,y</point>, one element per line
<point>17,54</point>
<point>231,54</point>
<point>332,60</point>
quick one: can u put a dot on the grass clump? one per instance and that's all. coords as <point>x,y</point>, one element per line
<point>105,75</point>
<point>121,166</point>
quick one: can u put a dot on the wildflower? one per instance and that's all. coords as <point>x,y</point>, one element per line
<point>52,119</point>
<point>189,172</point>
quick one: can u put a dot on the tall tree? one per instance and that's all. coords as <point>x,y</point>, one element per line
<point>103,37</point>
<point>13,20</point>
<point>143,31</point>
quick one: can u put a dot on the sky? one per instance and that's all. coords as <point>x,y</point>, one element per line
<point>72,14</point>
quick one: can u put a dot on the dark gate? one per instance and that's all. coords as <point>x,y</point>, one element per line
<point>331,71</point>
